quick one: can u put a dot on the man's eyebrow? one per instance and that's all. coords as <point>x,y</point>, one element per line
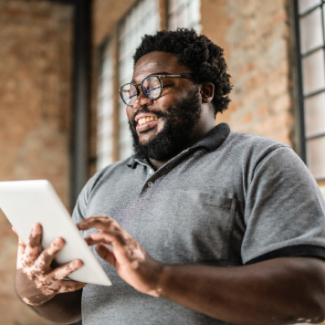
<point>152,74</point>
<point>162,72</point>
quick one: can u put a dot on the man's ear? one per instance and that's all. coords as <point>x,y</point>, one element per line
<point>207,92</point>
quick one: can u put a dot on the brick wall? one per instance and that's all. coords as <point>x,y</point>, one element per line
<point>35,115</point>
<point>256,37</point>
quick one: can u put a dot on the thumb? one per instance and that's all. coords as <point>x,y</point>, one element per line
<point>106,254</point>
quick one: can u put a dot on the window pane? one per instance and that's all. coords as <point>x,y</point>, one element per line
<point>315,115</point>
<point>172,22</point>
<point>313,72</point>
<point>184,13</point>
<point>172,6</point>
<point>194,9</point>
<point>143,19</point>
<point>316,157</point>
<point>311,35</point>
<point>104,111</point>
<point>307,4</point>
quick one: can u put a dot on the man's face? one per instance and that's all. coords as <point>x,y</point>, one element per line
<point>161,128</point>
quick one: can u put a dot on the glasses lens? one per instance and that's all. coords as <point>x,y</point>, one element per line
<point>129,94</point>
<point>151,87</point>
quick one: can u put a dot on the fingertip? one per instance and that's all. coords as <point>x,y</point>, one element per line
<point>61,240</point>
<point>37,229</point>
<point>58,243</point>
<point>77,264</point>
<point>38,226</point>
<point>79,225</point>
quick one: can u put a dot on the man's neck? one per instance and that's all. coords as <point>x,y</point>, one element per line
<point>156,164</point>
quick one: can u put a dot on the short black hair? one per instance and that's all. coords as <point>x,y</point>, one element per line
<point>196,52</point>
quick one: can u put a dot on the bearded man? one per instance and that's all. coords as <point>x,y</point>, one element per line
<point>201,225</point>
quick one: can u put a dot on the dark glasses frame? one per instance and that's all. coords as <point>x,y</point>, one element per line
<point>160,77</point>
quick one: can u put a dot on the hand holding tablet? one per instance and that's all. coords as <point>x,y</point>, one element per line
<point>36,281</point>
<point>26,203</point>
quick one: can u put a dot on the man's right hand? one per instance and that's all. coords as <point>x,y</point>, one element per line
<point>36,282</point>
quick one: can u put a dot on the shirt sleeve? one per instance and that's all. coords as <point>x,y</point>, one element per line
<point>284,211</point>
<point>80,209</point>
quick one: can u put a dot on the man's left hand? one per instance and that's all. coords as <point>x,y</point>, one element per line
<point>132,263</point>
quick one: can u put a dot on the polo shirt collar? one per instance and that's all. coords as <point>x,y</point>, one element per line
<point>214,138</point>
<point>211,141</point>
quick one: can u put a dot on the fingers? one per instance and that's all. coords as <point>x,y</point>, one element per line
<point>106,254</point>
<point>69,286</point>
<point>63,271</point>
<point>32,247</point>
<point>108,237</point>
<point>100,222</point>
<point>45,259</point>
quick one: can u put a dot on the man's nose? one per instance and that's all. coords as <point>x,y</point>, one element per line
<point>142,100</point>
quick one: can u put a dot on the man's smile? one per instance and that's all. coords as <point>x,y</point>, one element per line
<point>146,121</point>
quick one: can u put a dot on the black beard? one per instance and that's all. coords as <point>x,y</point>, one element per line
<point>176,134</point>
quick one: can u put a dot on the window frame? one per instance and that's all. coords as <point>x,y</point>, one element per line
<point>299,56</point>
<point>106,58</point>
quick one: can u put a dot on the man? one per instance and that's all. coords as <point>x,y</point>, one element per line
<point>201,225</point>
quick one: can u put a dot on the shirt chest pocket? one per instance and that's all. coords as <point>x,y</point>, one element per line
<point>200,226</point>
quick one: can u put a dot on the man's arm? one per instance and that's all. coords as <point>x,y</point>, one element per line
<point>277,291</point>
<point>64,308</point>
<point>43,288</point>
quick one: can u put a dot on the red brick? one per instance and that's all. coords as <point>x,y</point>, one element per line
<point>282,103</point>
<point>35,110</point>
<point>255,36</point>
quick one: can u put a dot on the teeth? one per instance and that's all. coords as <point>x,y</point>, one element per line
<point>147,119</point>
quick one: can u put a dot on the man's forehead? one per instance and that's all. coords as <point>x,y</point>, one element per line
<point>157,62</point>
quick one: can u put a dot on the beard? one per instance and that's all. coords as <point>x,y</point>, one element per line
<point>178,131</point>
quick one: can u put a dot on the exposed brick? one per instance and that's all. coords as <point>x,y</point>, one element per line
<point>35,110</point>
<point>255,36</point>
<point>282,103</point>
<point>278,86</point>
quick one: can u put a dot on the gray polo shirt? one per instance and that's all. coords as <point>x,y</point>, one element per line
<point>231,199</point>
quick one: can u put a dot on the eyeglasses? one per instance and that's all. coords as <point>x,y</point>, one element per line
<point>151,86</point>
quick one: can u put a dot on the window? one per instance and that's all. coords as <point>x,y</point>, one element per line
<point>184,13</point>
<point>105,110</point>
<point>310,23</point>
<point>142,19</point>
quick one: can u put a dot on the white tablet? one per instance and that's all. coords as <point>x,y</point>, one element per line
<point>25,203</point>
